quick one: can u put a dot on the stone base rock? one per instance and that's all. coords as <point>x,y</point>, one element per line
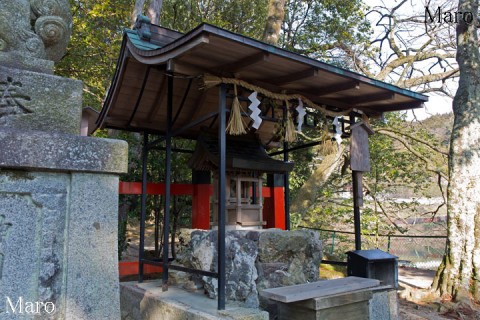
<point>147,301</point>
<point>384,304</point>
<point>255,260</point>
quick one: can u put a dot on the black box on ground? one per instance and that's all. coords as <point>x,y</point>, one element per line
<point>373,264</point>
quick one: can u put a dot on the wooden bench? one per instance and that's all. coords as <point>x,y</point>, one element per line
<point>345,299</point>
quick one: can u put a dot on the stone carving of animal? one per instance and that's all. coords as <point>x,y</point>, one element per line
<point>35,28</point>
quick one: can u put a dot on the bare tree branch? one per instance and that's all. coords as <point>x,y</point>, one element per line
<point>434,148</point>
<point>428,164</point>
<point>384,212</point>
<point>406,50</point>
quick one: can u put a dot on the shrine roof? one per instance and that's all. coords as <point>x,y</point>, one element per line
<point>137,98</point>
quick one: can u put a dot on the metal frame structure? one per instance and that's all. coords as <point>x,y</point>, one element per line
<point>147,146</point>
<point>220,274</point>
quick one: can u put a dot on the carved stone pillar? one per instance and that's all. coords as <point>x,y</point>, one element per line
<point>58,190</point>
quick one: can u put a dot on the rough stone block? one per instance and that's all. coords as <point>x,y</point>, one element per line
<point>38,101</point>
<point>255,260</point>
<point>287,258</point>
<point>16,61</point>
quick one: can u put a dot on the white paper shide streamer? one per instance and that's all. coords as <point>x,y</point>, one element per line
<point>301,114</point>
<point>253,107</point>
<point>338,130</point>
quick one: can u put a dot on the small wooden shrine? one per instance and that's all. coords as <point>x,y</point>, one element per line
<point>246,164</point>
<point>168,84</point>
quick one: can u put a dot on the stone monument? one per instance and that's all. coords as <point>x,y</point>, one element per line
<point>58,190</point>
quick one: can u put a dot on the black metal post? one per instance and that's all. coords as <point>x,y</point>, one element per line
<point>222,142</point>
<point>286,183</point>
<point>286,177</point>
<point>356,182</point>
<point>168,167</point>
<point>143,206</point>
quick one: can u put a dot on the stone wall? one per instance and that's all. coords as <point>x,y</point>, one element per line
<point>255,260</point>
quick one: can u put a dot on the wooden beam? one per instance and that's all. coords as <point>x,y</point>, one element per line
<point>157,188</point>
<point>305,74</point>
<point>159,98</point>
<point>338,88</point>
<point>403,106</point>
<point>357,203</point>
<point>329,102</point>
<point>199,103</point>
<point>371,98</point>
<point>377,110</point>
<point>316,99</point>
<point>140,95</point>
<point>195,123</point>
<point>185,68</point>
<point>249,61</point>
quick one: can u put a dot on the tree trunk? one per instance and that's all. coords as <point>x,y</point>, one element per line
<point>305,198</point>
<point>154,11</point>
<point>276,14</point>
<point>138,9</point>
<point>458,275</point>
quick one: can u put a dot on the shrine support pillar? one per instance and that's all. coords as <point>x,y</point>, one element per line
<point>359,163</point>
<point>274,206</point>
<point>201,199</point>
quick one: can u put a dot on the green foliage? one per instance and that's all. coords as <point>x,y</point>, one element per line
<point>93,50</point>
<point>122,243</point>
<point>395,173</point>
<point>240,16</point>
<point>314,28</point>
<point>311,28</point>
<point>305,159</point>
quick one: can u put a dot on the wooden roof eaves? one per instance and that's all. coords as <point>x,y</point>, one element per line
<point>264,47</point>
<point>166,53</point>
<point>201,35</point>
<point>395,107</point>
<point>113,89</point>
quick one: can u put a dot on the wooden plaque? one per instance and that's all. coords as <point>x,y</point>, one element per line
<point>359,152</point>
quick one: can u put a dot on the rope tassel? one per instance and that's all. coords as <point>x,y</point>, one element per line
<point>236,126</point>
